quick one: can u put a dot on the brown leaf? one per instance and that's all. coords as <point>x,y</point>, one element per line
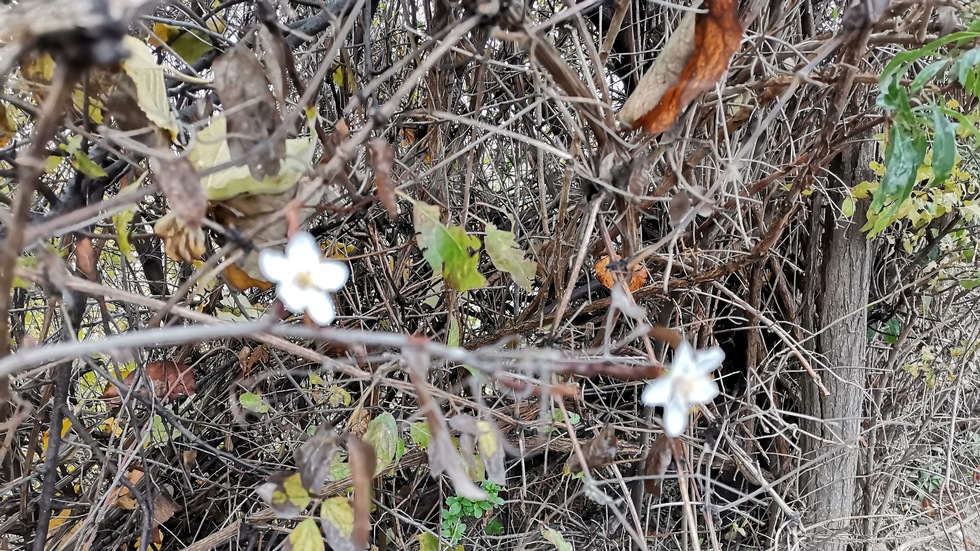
<point>598,452</point>
<point>603,273</point>
<point>313,457</point>
<point>181,184</point>
<point>85,258</point>
<point>695,58</point>
<point>656,464</point>
<point>382,161</point>
<point>237,279</point>
<point>169,380</point>
<point>362,462</point>
<point>250,108</point>
<point>443,457</point>
<point>489,443</point>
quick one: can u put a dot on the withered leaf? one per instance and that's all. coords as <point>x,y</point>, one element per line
<point>362,462</point>
<point>489,443</point>
<point>313,457</point>
<point>181,184</point>
<point>656,464</point>
<point>250,109</point>
<point>694,59</point>
<point>598,452</point>
<point>284,492</point>
<point>168,378</point>
<point>382,161</point>
<point>443,457</point>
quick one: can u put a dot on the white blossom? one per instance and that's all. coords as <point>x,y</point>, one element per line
<point>304,279</point>
<point>687,383</point>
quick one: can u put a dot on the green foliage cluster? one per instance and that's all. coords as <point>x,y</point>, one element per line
<point>459,508</point>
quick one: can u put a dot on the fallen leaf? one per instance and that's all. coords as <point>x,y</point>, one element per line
<point>180,241</point>
<point>8,126</point>
<point>556,539</point>
<point>695,58</point>
<point>598,451</point>
<point>658,458</point>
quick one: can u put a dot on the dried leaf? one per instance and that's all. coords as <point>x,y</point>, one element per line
<point>382,162</point>
<point>361,459</point>
<point>442,453</point>
<point>604,273</point>
<point>239,280</point>
<point>179,241</point>
<point>180,183</point>
<point>556,539</point>
<point>598,452</point>
<point>169,380</point>
<point>250,110</point>
<point>284,492</point>
<point>489,444</point>
<point>658,459</point>
<point>314,456</point>
<point>695,58</point>
<point>8,126</point>
<point>85,258</point>
<point>151,91</point>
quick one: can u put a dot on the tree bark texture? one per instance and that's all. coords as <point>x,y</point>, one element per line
<point>840,265</point>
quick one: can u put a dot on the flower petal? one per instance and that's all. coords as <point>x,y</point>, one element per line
<point>330,275</point>
<point>321,309</point>
<point>657,393</point>
<point>675,418</point>
<point>683,361</point>
<point>709,360</point>
<point>274,266</point>
<point>303,251</point>
<point>701,390</point>
<point>294,297</point>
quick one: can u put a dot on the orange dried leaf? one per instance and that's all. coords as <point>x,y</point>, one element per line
<point>605,275</point>
<point>695,58</point>
<point>240,281</point>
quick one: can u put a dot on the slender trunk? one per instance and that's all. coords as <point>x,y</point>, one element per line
<point>840,271</point>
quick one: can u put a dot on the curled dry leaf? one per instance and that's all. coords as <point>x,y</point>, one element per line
<point>362,459</point>
<point>443,457</point>
<point>598,452</point>
<point>180,183</point>
<point>695,59</point>
<point>382,162</point>
<point>658,459</point>
<point>250,109</point>
<point>179,241</point>
<point>169,380</point>
<point>603,273</point>
<point>489,443</point>
<point>314,456</point>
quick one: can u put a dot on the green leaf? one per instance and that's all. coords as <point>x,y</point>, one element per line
<point>847,207</point>
<point>903,157</point>
<point>305,537</point>
<point>80,160</point>
<point>447,249</point>
<point>428,542</point>
<point>943,145</point>
<point>120,221</point>
<point>382,435</point>
<point>455,509</point>
<point>419,433</point>
<point>926,75</point>
<point>508,257</point>
<point>892,331</point>
<point>965,64</point>
<point>253,402</point>
<point>494,528</point>
<point>970,284</point>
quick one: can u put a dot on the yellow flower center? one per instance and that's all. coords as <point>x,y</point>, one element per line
<point>304,280</point>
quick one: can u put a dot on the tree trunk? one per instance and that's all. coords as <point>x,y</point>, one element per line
<point>839,273</point>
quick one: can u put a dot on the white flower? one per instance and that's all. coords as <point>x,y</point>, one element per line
<point>304,277</point>
<point>687,383</point>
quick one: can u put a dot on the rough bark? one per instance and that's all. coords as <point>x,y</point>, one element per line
<point>840,264</point>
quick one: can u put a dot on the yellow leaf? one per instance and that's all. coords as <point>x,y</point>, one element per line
<point>305,537</point>
<point>338,512</point>
<point>292,492</point>
<point>151,91</point>
<point>65,426</point>
<point>211,149</point>
<point>8,126</point>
